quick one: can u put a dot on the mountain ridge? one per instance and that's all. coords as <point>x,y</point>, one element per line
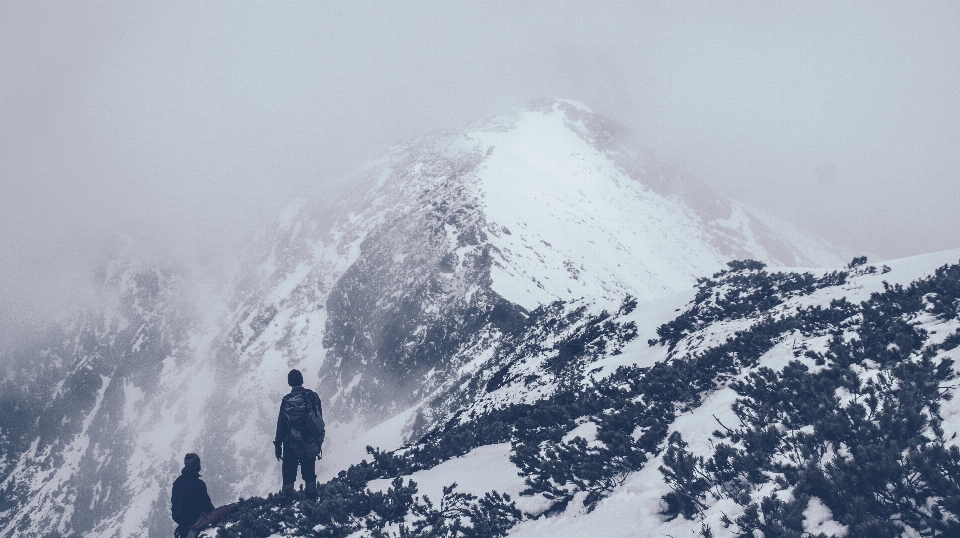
<point>693,461</point>
<point>449,250</point>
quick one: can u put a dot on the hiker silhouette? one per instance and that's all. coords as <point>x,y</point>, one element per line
<point>300,433</point>
<point>191,507</point>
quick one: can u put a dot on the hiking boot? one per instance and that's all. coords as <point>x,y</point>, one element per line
<point>311,491</point>
<point>287,490</point>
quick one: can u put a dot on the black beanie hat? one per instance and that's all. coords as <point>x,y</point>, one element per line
<point>294,378</point>
<point>191,462</point>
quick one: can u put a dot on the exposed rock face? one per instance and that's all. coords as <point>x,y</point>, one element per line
<point>73,410</point>
<point>442,262</point>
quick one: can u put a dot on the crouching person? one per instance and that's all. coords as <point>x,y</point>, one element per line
<point>192,509</point>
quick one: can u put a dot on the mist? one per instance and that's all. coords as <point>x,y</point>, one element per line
<point>184,127</point>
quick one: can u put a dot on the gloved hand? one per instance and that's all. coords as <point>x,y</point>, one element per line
<point>278,449</point>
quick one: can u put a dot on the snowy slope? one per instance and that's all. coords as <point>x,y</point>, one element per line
<point>586,227</point>
<point>634,509</point>
<point>635,506</point>
<point>549,202</point>
<point>388,298</point>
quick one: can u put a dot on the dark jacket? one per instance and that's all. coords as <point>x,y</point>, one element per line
<point>190,498</point>
<point>283,425</point>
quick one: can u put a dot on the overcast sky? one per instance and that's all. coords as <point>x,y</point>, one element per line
<point>187,122</point>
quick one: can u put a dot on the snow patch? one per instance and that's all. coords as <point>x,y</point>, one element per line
<point>817,518</point>
<point>479,471</point>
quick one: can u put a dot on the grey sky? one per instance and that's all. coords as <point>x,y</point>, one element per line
<point>185,123</point>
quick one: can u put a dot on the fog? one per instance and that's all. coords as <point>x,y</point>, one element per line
<point>186,125</point>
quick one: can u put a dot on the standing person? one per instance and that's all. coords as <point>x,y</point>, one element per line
<point>300,432</point>
<point>191,506</point>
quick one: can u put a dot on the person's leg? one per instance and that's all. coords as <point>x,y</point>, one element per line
<point>289,469</point>
<point>213,517</point>
<point>308,468</point>
<point>193,530</point>
<point>224,510</point>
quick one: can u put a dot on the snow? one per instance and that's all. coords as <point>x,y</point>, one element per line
<point>132,396</point>
<point>483,469</point>
<point>579,228</point>
<point>634,508</point>
<point>781,354</point>
<point>807,250</point>
<point>697,426</point>
<point>574,220</point>
<point>647,317</point>
<point>631,511</point>
<point>53,505</point>
<point>586,431</point>
<point>477,361</point>
<point>346,446</point>
<point>817,518</point>
<point>950,409</point>
<point>291,281</point>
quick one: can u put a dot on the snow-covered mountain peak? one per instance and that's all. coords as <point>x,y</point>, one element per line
<point>451,271</point>
<point>456,236</point>
<point>575,206</point>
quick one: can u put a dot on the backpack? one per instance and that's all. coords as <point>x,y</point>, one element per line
<point>305,417</point>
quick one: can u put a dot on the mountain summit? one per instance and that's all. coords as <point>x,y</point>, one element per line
<point>572,205</point>
<point>466,232</point>
<point>424,294</point>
